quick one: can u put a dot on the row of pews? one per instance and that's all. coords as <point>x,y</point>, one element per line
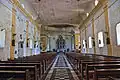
<point>27,68</point>
<point>95,67</point>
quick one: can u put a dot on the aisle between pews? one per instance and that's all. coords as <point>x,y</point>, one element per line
<point>61,70</point>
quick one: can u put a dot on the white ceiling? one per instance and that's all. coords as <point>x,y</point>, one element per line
<point>60,11</point>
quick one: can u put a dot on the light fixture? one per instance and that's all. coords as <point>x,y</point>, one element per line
<point>87,14</point>
<point>23,5</point>
<point>96,2</point>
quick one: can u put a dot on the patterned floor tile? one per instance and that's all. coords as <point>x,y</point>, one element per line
<point>61,70</point>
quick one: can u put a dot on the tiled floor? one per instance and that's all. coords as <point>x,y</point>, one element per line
<point>61,62</point>
<point>61,70</point>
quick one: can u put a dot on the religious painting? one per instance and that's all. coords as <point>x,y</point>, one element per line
<point>43,43</point>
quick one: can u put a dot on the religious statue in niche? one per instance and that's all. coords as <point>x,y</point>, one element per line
<point>60,43</point>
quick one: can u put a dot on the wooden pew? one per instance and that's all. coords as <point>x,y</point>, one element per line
<point>32,70</point>
<point>45,60</point>
<point>37,64</point>
<point>99,74</point>
<point>83,59</point>
<point>16,75</point>
<point>76,59</point>
<point>85,64</point>
<point>39,68</point>
<point>92,59</point>
<point>112,78</point>
<point>42,62</point>
<point>99,66</point>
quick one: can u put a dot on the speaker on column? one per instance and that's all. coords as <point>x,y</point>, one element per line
<point>13,42</point>
<point>108,40</point>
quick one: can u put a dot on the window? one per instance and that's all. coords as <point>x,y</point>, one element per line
<point>2,38</point>
<point>31,44</point>
<point>90,42</point>
<point>118,33</point>
<point>84,45</point>
<point>100,39</point>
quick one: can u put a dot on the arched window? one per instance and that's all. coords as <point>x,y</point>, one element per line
<point>118,33</point>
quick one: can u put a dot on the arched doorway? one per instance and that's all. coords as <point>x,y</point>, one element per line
<point>60,43</point>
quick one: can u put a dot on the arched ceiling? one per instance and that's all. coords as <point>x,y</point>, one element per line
<point>60,11</point>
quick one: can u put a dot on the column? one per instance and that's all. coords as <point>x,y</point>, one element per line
<point>34,49</point>
<point>27,39</point>
<point>13,30</point>
<point>86,44</point>
<point>108,40</point>
<point>77,40</point>
<point>80,42</point>
<point>93,38</point>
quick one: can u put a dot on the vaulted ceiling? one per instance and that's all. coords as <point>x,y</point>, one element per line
<point>60,11</point>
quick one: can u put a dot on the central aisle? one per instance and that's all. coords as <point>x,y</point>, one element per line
<point>61,70</point>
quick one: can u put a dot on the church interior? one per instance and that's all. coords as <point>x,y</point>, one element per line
<point>59,39</point>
